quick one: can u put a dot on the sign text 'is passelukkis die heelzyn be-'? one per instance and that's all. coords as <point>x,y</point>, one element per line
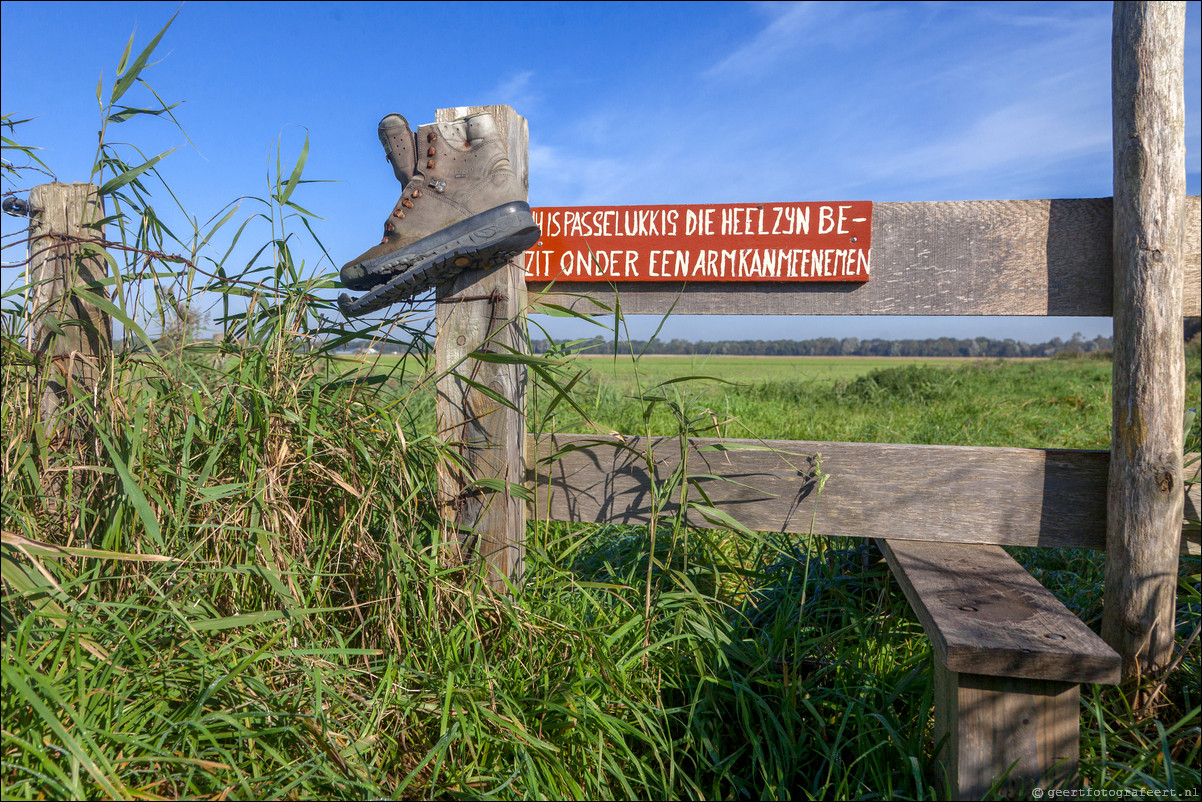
<point>777,242</point>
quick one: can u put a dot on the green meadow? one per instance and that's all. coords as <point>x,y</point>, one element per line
<point>1062,403</point>
<point>1036,403</point>
<point>654,368</point>
<point>630,373</point>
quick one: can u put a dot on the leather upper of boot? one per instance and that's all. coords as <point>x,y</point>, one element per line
<point>462,169</point>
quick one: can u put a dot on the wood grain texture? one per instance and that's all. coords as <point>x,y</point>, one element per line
<point>72,359</point>
<point>1008,496</point>
<point>1025,730</point>
<point>1005,496</point>
<point>1145,488</point>
<point>482,311</point>
<point>984,614</point>
<point>1005,257</point>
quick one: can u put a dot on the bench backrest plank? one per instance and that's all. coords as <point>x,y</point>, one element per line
<point>989,257</point>
<point>1006,496</point>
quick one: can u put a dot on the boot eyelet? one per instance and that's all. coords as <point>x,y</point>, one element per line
<point>430,152</point>
<point>430,137</point>
<point>430,163</point>
<point>389,227</point>
<point>408,204</point>
<point>417,193</point>
<point>397,213</point>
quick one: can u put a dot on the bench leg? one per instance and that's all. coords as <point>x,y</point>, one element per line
<point>994,724</point>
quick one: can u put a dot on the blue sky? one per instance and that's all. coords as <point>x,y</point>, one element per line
<point>627,103</point>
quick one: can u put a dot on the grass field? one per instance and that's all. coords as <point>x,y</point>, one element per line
<point>306,640</point>
<point>298,634</point>
<point>655,368</point>
<point>1034,403</point>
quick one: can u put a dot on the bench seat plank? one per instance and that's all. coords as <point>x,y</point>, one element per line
<point>984,614</point>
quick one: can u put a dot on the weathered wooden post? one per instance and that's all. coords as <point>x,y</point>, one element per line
<point>70,336</point>
<point>1145,492</point>
<point>484,311</point>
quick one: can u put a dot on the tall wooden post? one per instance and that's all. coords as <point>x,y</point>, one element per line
<point>484,311</point>
<point>1145,493</point>
<point>70,336</point>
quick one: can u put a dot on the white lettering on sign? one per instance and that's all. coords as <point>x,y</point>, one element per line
<point>743,263</point>
<point>721,242</point>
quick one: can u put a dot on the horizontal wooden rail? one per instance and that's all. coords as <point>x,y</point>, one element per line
<point>955,494</point>
<point>1010,257</point>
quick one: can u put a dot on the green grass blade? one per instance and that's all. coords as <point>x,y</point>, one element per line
<point>127,77</point>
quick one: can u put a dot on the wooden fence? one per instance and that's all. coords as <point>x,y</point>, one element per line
<point>1009,658</point>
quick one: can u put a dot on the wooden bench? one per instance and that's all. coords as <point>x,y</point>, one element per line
<point>1009,660</point>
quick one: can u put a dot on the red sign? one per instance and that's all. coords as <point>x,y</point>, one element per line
<point>779,242</point>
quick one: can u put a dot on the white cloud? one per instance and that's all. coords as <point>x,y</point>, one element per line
<point>778,39</point>
<point>1002,148</point>
<point>794,29</point>
<point>518,91</point>
<point>560,177</point>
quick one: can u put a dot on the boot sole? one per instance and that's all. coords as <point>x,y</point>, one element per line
<point>370,274</point>
<point>483,240</point>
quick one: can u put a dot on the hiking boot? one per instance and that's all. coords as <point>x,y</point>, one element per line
<point>462,207</point>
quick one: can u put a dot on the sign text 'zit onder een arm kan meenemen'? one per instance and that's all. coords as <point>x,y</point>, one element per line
<point>778,242</point>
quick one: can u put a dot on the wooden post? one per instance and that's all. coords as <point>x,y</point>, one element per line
<point>484,311</point>
<point>70,336</point>
<point>1027,730</point>
<point>1145,492</point>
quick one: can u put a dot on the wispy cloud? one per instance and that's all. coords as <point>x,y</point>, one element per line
<point>968,102</point>
<point>793,32</point>
<point>519,91</point>
<point>571,177</point>
<point>1001,153</point>
<point>787,26</point>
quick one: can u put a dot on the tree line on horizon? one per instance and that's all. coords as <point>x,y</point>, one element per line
<point>978,347</point>
<point>975,347</point>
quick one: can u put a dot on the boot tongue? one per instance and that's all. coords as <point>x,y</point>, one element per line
<point>399,146</point>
